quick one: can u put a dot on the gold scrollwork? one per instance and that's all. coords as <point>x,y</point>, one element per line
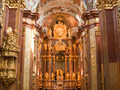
<point>9,54</point>
<point>106,4</point>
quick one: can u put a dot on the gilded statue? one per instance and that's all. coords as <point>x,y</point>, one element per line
<point>10,41</point>
<point>78,78</point>
<point>10,50</point>
<point>57,73</point>
<point>61,73</point>
<point>73,76</point>
<point>52,76</point>
<point>45,46</point>
<point>74,46</point>
<point>46,76</point>
<point>67,76</point>
<point>41,75</point>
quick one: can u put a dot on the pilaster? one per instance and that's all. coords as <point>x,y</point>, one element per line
<point>109,44</point>
<point>89,28</point>
<point>30,29</point>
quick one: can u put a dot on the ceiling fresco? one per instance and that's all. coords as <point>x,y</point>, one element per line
<point>69,9</point>
<point>69,20</point>
<point>50,10</point>
<point>46,1</point>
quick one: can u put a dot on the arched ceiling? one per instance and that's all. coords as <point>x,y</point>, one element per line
<point>49,10</point>
<point>68,19</point>
<point>69,9</point>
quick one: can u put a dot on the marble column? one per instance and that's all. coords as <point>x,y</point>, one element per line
<point>75,65</point>
<point>90,23</point>
<point>29,48</point>
<point>84,60</point>
<point>70,58</point>
<point>54,66</point>
<point>36,50</point>
<point>65,66</point>
<point>49,60</point>
<point>118,12</point>
<point>82,67</point>
<point>70,68</point>
<point>45,59</point>
<point>23,56</point>
<point>80,63</point>
<point>109,44</point>
<point>74,59</point>
<point>28,61</point>
<point>98,52</point>
<point>50,57</point>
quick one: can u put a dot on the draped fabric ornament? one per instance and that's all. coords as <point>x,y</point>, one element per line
<point>9,54</point>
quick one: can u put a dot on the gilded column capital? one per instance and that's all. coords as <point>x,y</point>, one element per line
<point>66,59</point>
<point>49,59</point>
<point>44,59</point>
<point>53,59</point>
<point>106,4</point>
<point>70,59</point>
<point>75,59</point>
<point>16,4</point>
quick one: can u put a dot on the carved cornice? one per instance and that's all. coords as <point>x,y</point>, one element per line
<point>106,4</point>
<point>16,4</point>
<point>89,15</point>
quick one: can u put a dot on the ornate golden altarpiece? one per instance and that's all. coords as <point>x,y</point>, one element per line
<point>59,63</point>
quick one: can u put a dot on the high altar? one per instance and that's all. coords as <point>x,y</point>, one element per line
<point>59,57</point>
